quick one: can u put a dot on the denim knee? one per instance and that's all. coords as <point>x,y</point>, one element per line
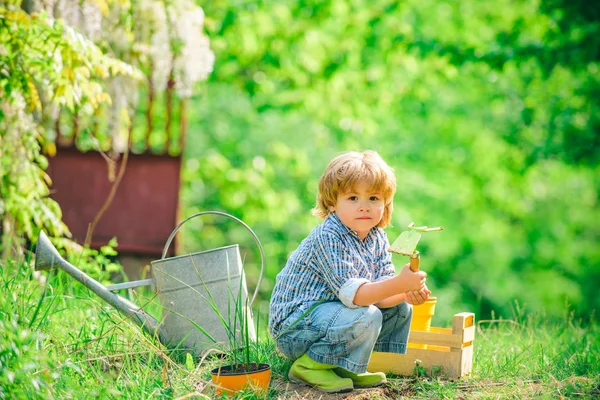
<point>334,334</point>
<point>395,329</point>
<point>367,325</point>
<point>373,317</point>
<point>404,309</point>
<point>398,315</point>
<point>349,335</point>
<point>340,324</point>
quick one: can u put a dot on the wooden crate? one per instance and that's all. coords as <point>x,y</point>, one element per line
<point>448,354</point>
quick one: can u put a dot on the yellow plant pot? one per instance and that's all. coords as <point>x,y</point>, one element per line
<point>255,377</point>
<point>421,319</point>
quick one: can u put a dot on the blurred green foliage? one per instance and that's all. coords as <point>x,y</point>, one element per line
<point>26,372</point>
<point>487,111</point>
<point>40,59</point>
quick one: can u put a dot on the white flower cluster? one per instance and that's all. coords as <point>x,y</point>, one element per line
<point>123,91</point>
<point>84,16</point>
<point>181,23</point>
<point>156,28</point>
<point>167,37</point>
<point>152,39</point>
<point>195,60</point>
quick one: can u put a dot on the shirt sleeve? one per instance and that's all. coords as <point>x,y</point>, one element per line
<point>384,268</point>
<point>348,291</point>
<point>336,265</point>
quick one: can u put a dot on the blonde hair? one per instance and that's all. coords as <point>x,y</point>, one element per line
<point>347,170</point>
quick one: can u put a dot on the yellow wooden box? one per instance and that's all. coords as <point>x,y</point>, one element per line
<point>448,352</point>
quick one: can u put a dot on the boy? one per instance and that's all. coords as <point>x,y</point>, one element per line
<point>338,297</point>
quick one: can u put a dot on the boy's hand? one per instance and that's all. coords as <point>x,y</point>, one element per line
<point>415,298</point>
<point>413,281</point>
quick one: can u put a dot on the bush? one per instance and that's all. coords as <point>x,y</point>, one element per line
<point>24,369</point>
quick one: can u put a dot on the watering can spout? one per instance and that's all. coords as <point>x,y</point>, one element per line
<point>45,253</point>
<point>47,257</point>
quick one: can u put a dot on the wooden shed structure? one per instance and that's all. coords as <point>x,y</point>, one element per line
<point>143,210</point>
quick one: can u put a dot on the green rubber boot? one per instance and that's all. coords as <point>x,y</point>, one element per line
<point>308,372</point>
<point>366,380</point>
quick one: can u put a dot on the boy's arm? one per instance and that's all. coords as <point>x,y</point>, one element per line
<point>374,292</point>
<point>414,298</point>
<point>391,301</point>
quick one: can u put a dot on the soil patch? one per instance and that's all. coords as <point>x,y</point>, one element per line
<point>293,391</point>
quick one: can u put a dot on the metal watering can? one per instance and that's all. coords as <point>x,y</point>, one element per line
<point>191,289</point>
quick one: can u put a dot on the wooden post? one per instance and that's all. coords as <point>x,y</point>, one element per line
<point>463,324</point>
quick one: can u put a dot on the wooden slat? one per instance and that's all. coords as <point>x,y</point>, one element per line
<point>438,348</point>
<point>443,363</point>
<point>466,361</point>
<point>441,330</point>
<point>468,334</point>
<point>461,324</point>
<point>449,352</point>
<point>183,124</point>
<point>467,318</point>
<point>440,339</point>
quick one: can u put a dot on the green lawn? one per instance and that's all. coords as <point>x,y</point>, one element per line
<point>59,341</point>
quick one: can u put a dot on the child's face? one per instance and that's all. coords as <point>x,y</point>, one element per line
<point>360,208</point>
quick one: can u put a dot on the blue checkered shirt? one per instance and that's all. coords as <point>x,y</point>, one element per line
<point>330,265</point>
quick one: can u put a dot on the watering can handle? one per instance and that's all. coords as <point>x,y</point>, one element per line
<point>262,253</point>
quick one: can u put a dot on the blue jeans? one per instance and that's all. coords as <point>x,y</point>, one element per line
<point>337,335</point>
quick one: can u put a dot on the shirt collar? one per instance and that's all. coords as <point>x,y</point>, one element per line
<point>338,224</point>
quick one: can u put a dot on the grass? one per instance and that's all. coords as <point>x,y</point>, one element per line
<point>57,340</point>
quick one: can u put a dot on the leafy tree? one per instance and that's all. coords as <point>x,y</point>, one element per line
<point>487,111</point>
<point>76,68</point>
<point>40,58</point>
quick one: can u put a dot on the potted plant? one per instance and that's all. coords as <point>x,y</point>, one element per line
<point>240,368</point>
<point>237,342</point>
<point>406,245</point>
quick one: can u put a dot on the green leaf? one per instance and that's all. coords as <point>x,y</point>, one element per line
<point>406,243</point>
<point>189,362</point>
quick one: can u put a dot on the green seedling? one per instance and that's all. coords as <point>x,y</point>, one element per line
<point>406,244</point>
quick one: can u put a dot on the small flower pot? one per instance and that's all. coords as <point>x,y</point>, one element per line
<point>421,319</point>
<point>231,379</point>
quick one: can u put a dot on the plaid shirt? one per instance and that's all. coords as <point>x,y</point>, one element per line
<point>330,265</point>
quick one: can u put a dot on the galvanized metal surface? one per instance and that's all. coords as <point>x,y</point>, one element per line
<point>46,257</point>
<point>239,221</point>
<point>204,295</point>
<point>208,286</point>
<point>192,287</point>
<point>130,285</point>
